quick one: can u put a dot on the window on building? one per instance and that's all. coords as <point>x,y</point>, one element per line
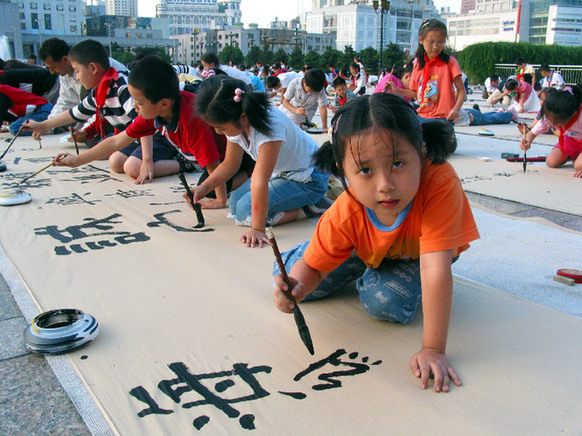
<point>33,6</point>
<point>21,5</point>
<point>48,25</point>
<point>22,26</point>
<point>46,6</point>
<point>59,7</point>
<point>34,21</point>
<point>72,8</point>
<point>73,29</point>
<point>22,16</point>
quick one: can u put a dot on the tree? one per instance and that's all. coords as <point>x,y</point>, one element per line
<point>331,57</point>
<point>393,56</point>
<point>296,59</point>
<point>281,56</point>
<point>348,58</point>
<point>370,58</point>
<point>268,56</point>
<point>231,54</point>
<point>126,57</point>
<point>255,55</point>
<point>312,59</point>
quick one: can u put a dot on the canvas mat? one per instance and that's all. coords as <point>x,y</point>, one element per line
<point>190,336</point>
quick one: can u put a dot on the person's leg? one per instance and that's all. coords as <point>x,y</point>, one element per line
<point>392,291</point>
<point>163,157</point>
<point>118,158</point>
<point>556,158</point>
<point>494,96</point>
<point>483,118</point>
<point>40,114</point>
<point>347,272</point>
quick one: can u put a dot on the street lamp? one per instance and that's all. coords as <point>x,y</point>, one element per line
<point>109,24</point>
<point>231,36</point>
<point>381,7</point>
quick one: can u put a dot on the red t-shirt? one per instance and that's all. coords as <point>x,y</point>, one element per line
<point>185,131</point>
<point>21,100</point>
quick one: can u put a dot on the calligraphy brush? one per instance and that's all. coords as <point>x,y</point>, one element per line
<point>74,140</point>
<point>196,206</point>
<point>12,142</point>
<point>299,319</point>
<point>525,129</point>
<point>40,171</point>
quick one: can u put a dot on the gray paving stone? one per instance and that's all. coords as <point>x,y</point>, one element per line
<point>11,343</point>
<point>32,402</point>
<point>8,307</point>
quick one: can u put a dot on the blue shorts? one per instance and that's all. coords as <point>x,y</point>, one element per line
<point>162,149</point>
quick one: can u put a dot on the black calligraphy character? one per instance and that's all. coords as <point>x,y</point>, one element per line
<point>131,193</point>
<point>73,199</point>
<point>144,396</point>
<point>187,382</point>
<point>162,220</point>
<point>79,232</point>
<point>331,377</point>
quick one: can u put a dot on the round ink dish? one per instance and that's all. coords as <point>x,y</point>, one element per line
<point>12,197</point>
<point>59,331</point>
<point>2,167</point>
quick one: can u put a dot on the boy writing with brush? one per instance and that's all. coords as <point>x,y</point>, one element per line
<point>162,107</point>
<point>109,100</point>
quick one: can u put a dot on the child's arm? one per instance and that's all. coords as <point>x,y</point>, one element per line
<point>100,151</point>
<point>403,92</point>
<point>298,110</point>
<point>304,280</point>
<point>437,292</point>
<point>220,201</point>
<point>220,173</point>
<point>146,169</point>
<point>266,160</point>
<point>323,113</point>
<point>40,128</point>
<point>461,93</point>
<point>525,144</point>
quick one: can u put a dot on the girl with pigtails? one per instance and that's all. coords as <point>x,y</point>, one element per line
<point>285,185</point>
<point>396,230</point>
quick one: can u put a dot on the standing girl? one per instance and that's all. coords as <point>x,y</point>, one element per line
<point>434,75</point>
<point>284,179</point>
<point>562,110</point>
<point>358,85</point>
<point>397,228</point>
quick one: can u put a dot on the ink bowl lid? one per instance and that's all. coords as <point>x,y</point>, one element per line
<point>12,197</point>
<point>59,331</point>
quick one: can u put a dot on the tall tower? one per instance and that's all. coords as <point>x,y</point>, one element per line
<point>468,5</point>
<point>121,7</point>
<point>232,12</point>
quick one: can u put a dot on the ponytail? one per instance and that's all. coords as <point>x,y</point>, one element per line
<point>440,140</point>
<point>563,104</point>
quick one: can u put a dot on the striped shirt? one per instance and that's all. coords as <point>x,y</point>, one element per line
<point>118,109</point>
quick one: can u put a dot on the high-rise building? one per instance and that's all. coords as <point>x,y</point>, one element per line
<point>193,16</point>
<point>121,7</point>
<point>468,6</point>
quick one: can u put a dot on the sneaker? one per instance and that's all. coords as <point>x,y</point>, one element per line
<point>515,116</point>
<point>187,165</point>
<point>318,208</point>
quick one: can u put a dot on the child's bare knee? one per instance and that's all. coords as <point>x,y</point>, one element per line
<point>131,167</point>
<point>116,163</point>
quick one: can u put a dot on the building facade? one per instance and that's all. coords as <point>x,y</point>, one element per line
<point>564,26</point>
<point>194,16</point>
<point>121,7</point>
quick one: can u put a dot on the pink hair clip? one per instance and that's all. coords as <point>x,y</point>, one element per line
<point>237,94</point>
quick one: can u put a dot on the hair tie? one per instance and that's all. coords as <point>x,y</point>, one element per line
<point>237,94</point>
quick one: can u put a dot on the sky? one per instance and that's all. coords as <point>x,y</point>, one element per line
<point>263,12</point>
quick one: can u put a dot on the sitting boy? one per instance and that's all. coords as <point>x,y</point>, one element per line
<point>18,106</point>
<point>303,96</point>
<point>162,107</point>
<point>342,94</point>
<point>111,102</point>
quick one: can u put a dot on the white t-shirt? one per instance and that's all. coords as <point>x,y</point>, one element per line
<point>554,81</point>
<point>297,96</point>
<point>295,157</point>
<point>286,78</point>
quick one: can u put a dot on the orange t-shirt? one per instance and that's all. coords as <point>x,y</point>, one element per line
<point>439,94</point>
<point>438,219</point>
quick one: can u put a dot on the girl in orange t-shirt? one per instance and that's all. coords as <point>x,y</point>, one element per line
<point>396,230</point>
<point>435,76</point>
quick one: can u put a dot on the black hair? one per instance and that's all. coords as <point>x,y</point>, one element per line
<point>494,78</point>
<point>355,67</point>
<point>315,79</point>
<point>56,48</point>
<point>89,51</point>
<point>15,64</point>
<point>527,77</point>
<point>2,63</point>
<point>277,65</point>
<point>545,67</point>
<point>32,56</point>
<point>563,104</point>
<point>511,84</point>
<point>389,112</point>
<point>215,103</point>
<point>273,82</point>
<point>338,81</point>
<point>211,59</point>
<point>547,91</point>
<point>425,27</point>
<point>155,78</point>
<point>519,61</point>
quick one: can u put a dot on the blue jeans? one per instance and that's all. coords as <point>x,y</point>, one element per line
<point>390,292</point>
<point>284,195</point>
<point>480,118</point>
<point>40,114</point>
